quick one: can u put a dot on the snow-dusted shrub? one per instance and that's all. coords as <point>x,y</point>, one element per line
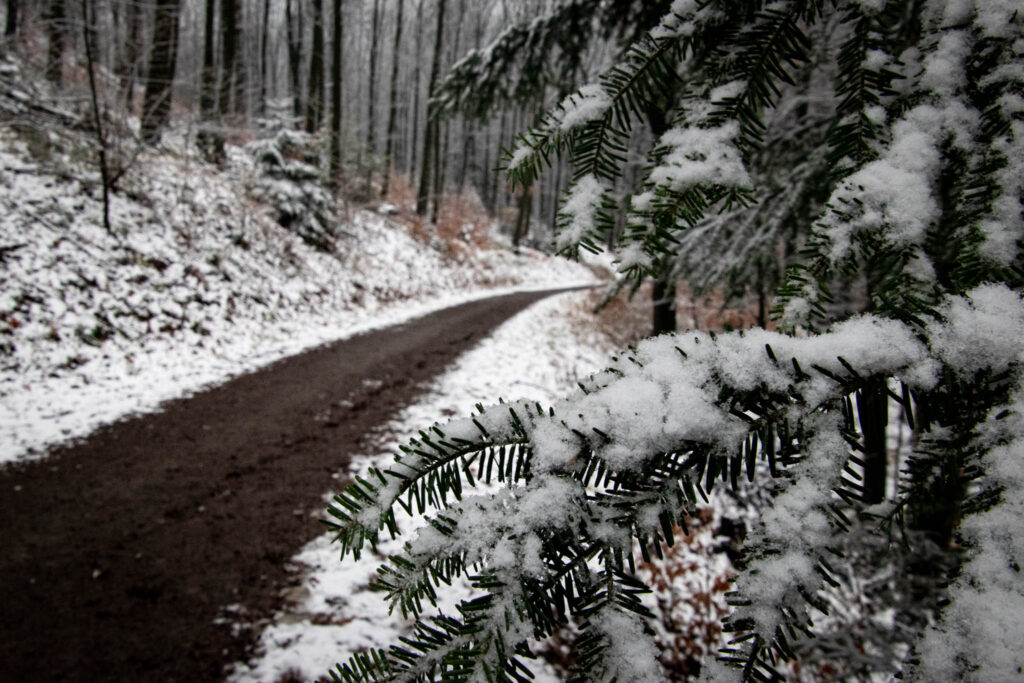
<point>289,180</point>
<point>914,116</point>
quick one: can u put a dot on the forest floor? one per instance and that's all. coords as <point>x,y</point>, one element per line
<point>124,549</point>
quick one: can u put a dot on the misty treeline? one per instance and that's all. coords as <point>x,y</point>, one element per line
<point>357,73</point>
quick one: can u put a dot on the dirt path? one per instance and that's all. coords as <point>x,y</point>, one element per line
<point>119,553</point>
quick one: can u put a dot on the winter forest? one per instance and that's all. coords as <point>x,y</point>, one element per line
<point>488,340</point>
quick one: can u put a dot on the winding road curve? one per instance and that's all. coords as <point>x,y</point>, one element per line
<point>119,553</point>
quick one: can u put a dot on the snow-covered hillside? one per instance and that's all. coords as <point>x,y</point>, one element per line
<point>196,283</point>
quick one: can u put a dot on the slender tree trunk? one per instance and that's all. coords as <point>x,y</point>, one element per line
<point>489,164</point>
<point>267,67</point>
<point>371,97</point>
<point>415,111</point>
<point>315,98</point>
<point>393,102</point>
<point>664,293</point>
<point>336,73</point>
<point>88,39</point>
<point>156,102</point>
<point>130,54</point>
<point>556,193</point>
<point>294,38</point>
<point>431,133</point>
<point>522,228</point>
<point>211,142</point>
<point>293,26</point>
<point>232,81</point>
<point>55,19</point>
<point>440,167</point>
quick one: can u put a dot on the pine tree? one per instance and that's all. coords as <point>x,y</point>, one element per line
<point>890,139</point>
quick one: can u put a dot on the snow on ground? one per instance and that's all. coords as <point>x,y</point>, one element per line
<point>197,283</point>
<point>538,354</point>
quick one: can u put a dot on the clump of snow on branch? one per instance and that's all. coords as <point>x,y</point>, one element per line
<point>590,103</point>
<point>700,156</point>
<point>993,308</point>
<point>579,211</point>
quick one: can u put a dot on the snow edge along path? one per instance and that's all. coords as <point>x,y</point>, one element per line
<point>58,410</point>
<point>537,354</point>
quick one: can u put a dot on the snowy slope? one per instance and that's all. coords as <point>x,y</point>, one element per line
<point>196,284</point>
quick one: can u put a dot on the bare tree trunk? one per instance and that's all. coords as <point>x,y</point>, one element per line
<point>393,101</point>
<point>522,228</point>
<point>663,315</point>
<point>664,294</point>
<point>88,39</point>
<point>414,112</point>
<point>336,72</point>
<point>371,97</point>
<point>431,133</point>
<point>315,99</point>
<point>55,19</point>
<point>555,195</point>
<point>294,38</point>
<point>156,101</point>
<point>873,413</point>
<point>232,81</point>
<point>11,26</point>
<point>267,67</point>
<point>130,54</point>
<point>440,167</point>
<point>211,142</point>
<point>469,129</point>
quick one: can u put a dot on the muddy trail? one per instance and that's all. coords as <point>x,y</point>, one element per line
<point>121,552</point>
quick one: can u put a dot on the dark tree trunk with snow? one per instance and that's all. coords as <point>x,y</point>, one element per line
<point>315,98</point>
<point>431,133</point>
<point>336,83</point>
<point>162,58</point>
<point>393,102</point>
